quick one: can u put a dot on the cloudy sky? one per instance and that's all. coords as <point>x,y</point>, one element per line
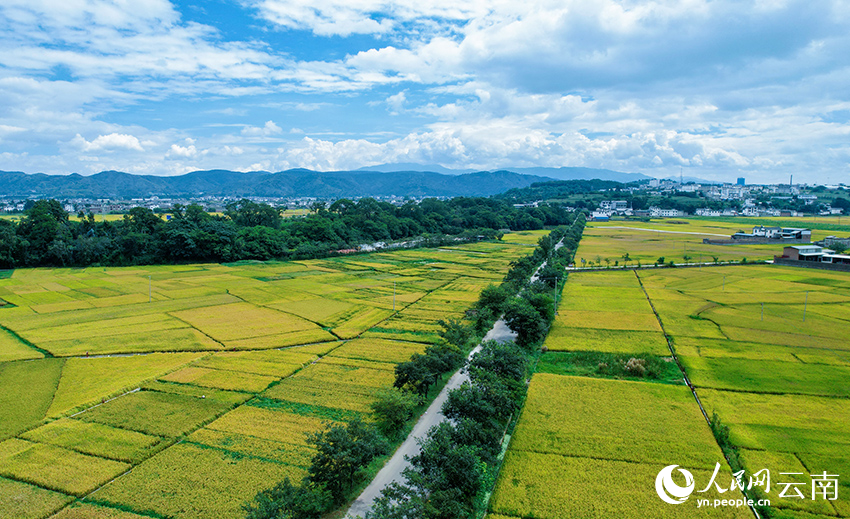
<point>717,89</point>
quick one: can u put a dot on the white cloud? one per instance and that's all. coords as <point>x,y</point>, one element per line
<point>396,102</point>
<point>111,142</point>
<point>631,85</point>
<point>182,151</point>
<point>346,17</point>
<point>268,130</point>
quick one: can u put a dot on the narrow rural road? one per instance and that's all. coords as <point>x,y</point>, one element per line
<point>432,416</point>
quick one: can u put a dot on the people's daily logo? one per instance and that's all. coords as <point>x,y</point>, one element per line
<point>668,490</point>
<point>791,485</point>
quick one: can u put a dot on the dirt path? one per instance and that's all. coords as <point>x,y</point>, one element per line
<point>432,416</point>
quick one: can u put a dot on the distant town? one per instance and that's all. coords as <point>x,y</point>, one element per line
<point>737,199</point>
<point>643,199</point>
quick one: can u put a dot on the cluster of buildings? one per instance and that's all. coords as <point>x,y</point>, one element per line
<point>776,233</point>
<point>609,208</point>
<point>813,253</point>
<point>738,191</point>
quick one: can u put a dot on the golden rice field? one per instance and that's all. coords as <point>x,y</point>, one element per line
<point>197,384</point>
<point>607,312</point>
<point>778,379</point>
<point>588,447</point>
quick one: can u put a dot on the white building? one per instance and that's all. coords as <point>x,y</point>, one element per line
<point>657,212</point>
<point>704,211</point>
<point>614,205</point>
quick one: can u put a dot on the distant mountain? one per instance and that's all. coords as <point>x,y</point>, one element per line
<point>290,183</point>
<point>582,174</point>
<point>409,166</point>
<point>563,173</point>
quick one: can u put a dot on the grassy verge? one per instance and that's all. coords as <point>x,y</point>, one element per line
<point>611,365</point>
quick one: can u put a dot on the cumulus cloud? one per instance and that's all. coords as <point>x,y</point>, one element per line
<point>346,17</point>
<point>182,151</point>
<point>267,130</point>
<point>714,85</point>
<point>111,142</point>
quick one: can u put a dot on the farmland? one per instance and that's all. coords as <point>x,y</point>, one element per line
<point>603,441</point>
<point>765,349</point>
<point>778,380</point>
<point>675,239</point>
<point>183,390</point>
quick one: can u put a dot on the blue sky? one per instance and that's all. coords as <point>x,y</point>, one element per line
<point>717,89</point>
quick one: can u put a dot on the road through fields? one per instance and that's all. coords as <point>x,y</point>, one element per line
<point>395,466</point>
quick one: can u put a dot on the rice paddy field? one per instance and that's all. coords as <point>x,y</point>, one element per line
<point>181,391</point>
<point>777,377</point>
<point>673,239</point>
<point>765,348</point>
<point>587,447</point>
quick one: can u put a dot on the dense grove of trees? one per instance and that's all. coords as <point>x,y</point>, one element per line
<point>558,190</point>
<point>46,236</point>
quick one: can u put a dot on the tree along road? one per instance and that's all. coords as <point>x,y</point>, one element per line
<point>432,416</point>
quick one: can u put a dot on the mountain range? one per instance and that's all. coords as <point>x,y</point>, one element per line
<point>291,183</point>
<point>563,173</point>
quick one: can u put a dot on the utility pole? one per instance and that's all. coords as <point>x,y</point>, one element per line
<point>805,305</point>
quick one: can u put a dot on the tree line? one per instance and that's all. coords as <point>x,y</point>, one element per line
<point>47,236</point>
<point>459,459</point>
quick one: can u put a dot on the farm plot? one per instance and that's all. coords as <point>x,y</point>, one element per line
<point>774,373</point>
<point>607,312</point>
<point>217,371</point>
<point>193,481</point>
<point>648,241</point>
<point>604,442</point>
<point>96,439</point>
<point>23,501</point>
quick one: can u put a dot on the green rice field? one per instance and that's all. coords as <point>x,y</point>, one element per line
<point>181,391</point>
<point>765,348</point>
<point>673,239</point>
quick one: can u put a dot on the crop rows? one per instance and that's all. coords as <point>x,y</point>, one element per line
<point>766,348</point>
<point>231,367</point>
<point>588,447</point>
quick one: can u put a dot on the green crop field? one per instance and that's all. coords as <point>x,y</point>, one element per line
<point>673,239</point>
<point>197,384</point>
<point>585,447</point>
<point>765,347</point>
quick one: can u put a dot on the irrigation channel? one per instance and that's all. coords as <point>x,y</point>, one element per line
<point>392,470</point>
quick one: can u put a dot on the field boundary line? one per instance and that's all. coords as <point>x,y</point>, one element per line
<point>107,401</point>
<point>205,334</point>
<point>320,325</point>
<point>778,393</point>
<point>684,373</point>
<point>13,333</point>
